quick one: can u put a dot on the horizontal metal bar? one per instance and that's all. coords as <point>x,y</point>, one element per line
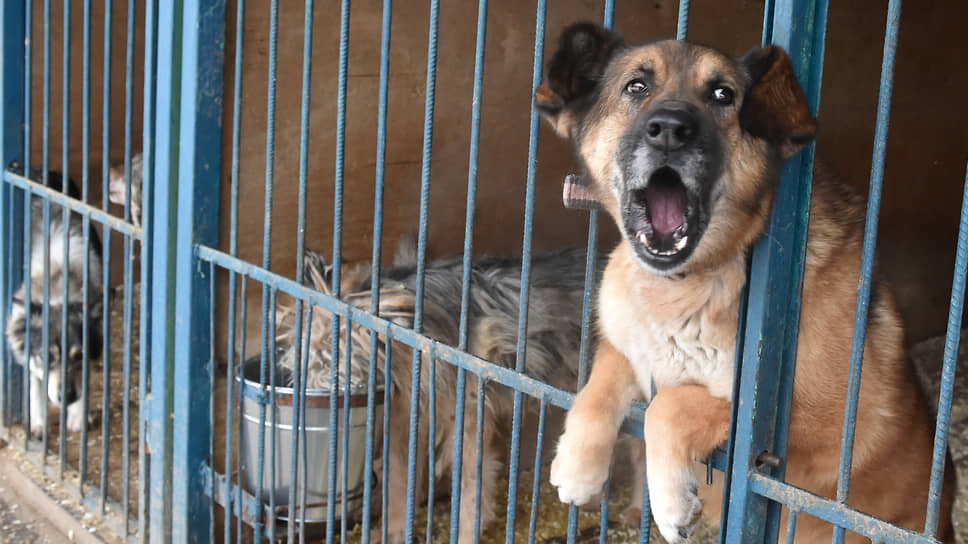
<point>834,512</point>
<point>57,197</point>
<point>482,367</point>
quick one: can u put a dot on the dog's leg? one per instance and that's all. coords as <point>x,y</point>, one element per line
<point>37,400</point>
<point>76,418</point>
<point>584,452</point>
<point>682,425</point>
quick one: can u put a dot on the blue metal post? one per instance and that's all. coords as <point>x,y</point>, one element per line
<point>12,84</point>
<point>199,159</point>
<point>162,241</point>
<point>776,274</point>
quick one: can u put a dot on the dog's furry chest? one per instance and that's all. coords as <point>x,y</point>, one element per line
<point>672,338</point>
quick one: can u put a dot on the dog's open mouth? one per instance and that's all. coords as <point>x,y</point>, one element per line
<point>659,214</point>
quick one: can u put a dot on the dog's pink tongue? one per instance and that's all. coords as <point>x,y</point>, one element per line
<point>667,206</point>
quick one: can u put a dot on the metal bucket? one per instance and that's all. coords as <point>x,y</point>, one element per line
<point>317,443</point>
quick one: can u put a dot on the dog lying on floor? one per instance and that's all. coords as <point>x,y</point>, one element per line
<point>683,146</point>
<point>554,332</point>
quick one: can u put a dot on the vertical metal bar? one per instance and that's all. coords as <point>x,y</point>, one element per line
<point>682,23</point>
<point>791,526</point>
<point>145,346</point>
<point>536,482</point>
<point>106,375</point>
<point>45,166</point>
<point>106,116</point>
<point>85,168</point>
<point>520,363</point>
<point>345,454</point>
<point>466,279</point>
<point>128,273</point>
<point>376,260</point>
<point>233,250</point>
<point>431,434</point>
<point>430,91</point>
<point>951,341</point>
<point>479,460</point>
<point>199,176</point>
<point>273,409</point>
<point>163,231</point>
<point>300,243</point>
<point>645,519</point>
<point>344,40</point>
<point>302,432</point>
<point>867,259</point>
<point>240,458</point>
<point>774,294</point>
<point>126,383</point>
<point>387,420</point>
<point>14,58</point>
<point>65,218</point>
<point>27,201</point>
<point>267,238</point>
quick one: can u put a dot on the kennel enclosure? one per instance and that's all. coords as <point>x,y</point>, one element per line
<point>205,290</point>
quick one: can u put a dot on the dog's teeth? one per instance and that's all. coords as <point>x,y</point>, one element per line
<point>644,239</point>
<point>682,243</point>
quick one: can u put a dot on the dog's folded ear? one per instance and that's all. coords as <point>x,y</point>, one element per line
<point>775,107</point>
<point>584,50</point>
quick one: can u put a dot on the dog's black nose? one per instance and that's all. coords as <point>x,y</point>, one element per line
<point>670,129</point>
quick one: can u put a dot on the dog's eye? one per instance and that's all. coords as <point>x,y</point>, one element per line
<point>722,96</point>
<point>637,86</point>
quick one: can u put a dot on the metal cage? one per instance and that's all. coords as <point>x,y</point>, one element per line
<point>170,378</point>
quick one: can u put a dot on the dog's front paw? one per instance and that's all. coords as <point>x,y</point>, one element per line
<point>580,468</point>
<point>675,503</point>
<point>36,430</point>
<point>77,420</point>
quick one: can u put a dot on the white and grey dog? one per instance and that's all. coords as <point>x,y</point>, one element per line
<point>551,351</point>
<point>64,373</point>
<point>118,186</point>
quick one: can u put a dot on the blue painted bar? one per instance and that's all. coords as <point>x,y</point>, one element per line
<point>519,362</point>
<point>536,480</point>
<point>270,354</point>
<point>85,182</point>
<point>106,374</point>
<point>128,106</point>
<point>774,284</point>
<point>267,238</point>
<point>65,217</point>
<point>163,230</point>
<point>430,90</point>
<point>951,341</point>
<point>337,257</point>
<point>199,175</point>
<point>96,214</point>
<point>302,433</point>
<point>465,294</point>
<point>28,85</point>
<point>867,260</point>
<point>791,526</point>
<point>375,264</point>
<point>127,317</point>
<point>834,512</point>
<point>240,459</point>
<point>478,463</point>
<point>431,439</point>
<point>488,370</point>
<point>682,22</point>
<point>345,453</point>
<point>145,345</point>
<point>387,420</point>
<point>14,57</point>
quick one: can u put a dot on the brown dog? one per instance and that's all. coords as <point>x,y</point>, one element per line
<point>683,146</point>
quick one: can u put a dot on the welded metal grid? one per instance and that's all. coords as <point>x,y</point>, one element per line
<point>182,135</point>
<point>123,513</point>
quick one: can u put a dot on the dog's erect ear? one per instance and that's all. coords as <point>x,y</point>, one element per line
<point>584,50</point>
<point>775,107</point>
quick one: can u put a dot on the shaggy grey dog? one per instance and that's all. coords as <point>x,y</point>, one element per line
<point>551,354</point>
<point>64,374</point>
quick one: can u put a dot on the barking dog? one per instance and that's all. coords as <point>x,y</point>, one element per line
<point>554,330</point>
<point>64,369</point>
<point>683,146</point>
